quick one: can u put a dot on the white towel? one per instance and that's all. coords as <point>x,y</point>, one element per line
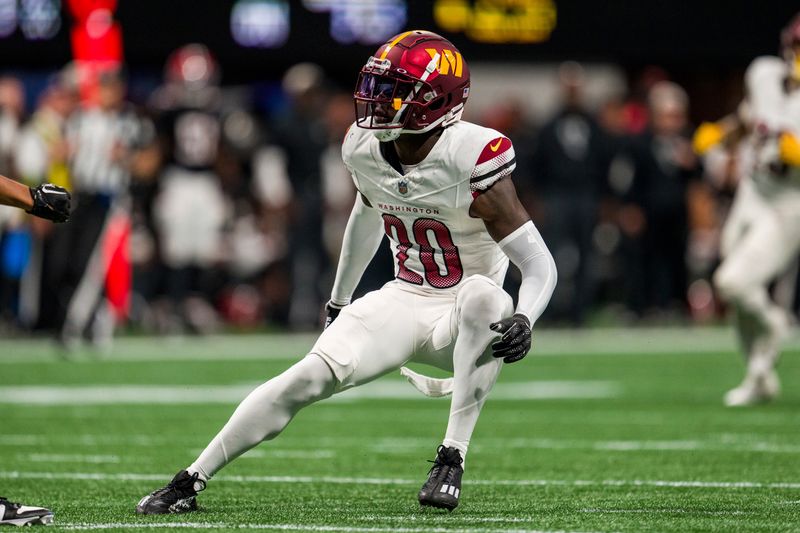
<point>432,387</point>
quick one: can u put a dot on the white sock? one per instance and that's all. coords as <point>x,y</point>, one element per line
<point>264,413</point>
<point>475,370</point>
<point>194,468</point>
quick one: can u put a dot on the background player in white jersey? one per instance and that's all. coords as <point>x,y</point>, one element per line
<point>440,189</point>
<point>761,237</point>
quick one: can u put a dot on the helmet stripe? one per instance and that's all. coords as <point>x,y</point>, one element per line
<point>428,71</point>
<point>394,42</point>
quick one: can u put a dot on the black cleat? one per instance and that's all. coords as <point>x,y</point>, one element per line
<point>17,514</point>
<point>179,496</point>
<point>444,480</point>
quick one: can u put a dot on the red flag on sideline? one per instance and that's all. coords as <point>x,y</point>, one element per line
<point>119,276</point>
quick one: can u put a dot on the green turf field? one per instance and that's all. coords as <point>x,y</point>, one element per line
<point>598,431</point>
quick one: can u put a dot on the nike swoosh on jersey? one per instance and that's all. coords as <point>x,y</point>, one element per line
<point>494,149</point>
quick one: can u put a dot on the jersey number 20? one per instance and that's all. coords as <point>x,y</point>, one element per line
<point>420,229</point>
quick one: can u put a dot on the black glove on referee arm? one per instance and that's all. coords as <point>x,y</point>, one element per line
<point>331,312</point>
<point>515,339</point>
<point>51,202</point>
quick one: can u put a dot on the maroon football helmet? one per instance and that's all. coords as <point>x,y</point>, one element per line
<point>415,82</point>
<point>790,46</point>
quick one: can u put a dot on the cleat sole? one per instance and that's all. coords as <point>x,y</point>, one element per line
<point>439,505</point>
<point>28,521</point>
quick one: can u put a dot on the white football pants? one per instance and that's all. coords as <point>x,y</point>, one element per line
<point>372,336</point>
<point>759,241</point>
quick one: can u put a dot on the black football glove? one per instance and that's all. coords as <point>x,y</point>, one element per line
<point>515,340</point>
<point>51,202</point>
<point>331,312</point>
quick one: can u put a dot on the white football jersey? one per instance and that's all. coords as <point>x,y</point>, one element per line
<point>425,211</point>
<point>770,111</point>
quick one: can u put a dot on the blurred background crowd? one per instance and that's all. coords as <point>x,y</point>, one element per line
<point>202,205</point>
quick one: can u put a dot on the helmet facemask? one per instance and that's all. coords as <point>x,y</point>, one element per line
<point>392,103</point>
<point>385,103</point>
<point>416,82</point>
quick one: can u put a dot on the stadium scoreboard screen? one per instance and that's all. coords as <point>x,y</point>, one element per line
<point>258,39</point>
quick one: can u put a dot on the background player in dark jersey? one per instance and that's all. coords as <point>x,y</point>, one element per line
<point>190,129</point>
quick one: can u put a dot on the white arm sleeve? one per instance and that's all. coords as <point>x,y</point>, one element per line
<point>362,236</point>
<point>526,249</point>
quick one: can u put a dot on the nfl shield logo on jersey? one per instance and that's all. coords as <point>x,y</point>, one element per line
<point>402,187</point>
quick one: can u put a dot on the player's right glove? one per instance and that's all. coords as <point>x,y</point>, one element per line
<point>515,340</point>
<point>707,135</point>
<point>51,202</point>
<point>331,312</point>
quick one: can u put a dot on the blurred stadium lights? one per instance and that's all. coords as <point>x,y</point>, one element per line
<point>96,41</point>
<point>498,21</point>
<point>40,19</point>
<point>260,23</point>
<point>37,19</point>
<point>362,21</point>
<point>8,17</point>
<point>704,43</point>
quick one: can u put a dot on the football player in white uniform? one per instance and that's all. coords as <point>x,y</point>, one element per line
<point>45,201</point>
<point>761,236</point>
<point>440,190</point>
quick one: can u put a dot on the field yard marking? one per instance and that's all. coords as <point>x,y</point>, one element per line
<point>287,346</point>
<point>277,453</point>
<point>208,394</point>
<point>666,511</point>
<point>67,458</point>
<point>97,476</point>
<point>21,440</point>
<point>650,445</point>
<point>293,527</point>
<point>84,440</point>
<point>766,447</point>
<point>450,518</point>
<point>401,444</point>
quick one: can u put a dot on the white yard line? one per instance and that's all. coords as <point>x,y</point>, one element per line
<point>666,511</point>
<point>397,445</point>
<point>403,444</point>
<point>81,440</point>
<point>450,518</point>
<point>293,527</point>
<point>233,394</point>
<point>598,341</point>
<point>277,453</point>
<point>655,483</point>
<point>67,458</point>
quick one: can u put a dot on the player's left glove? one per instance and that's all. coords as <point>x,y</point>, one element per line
<point>789,149</point>
<point>515,340</point>
<point>331,312</point>
<point>51,202</point>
